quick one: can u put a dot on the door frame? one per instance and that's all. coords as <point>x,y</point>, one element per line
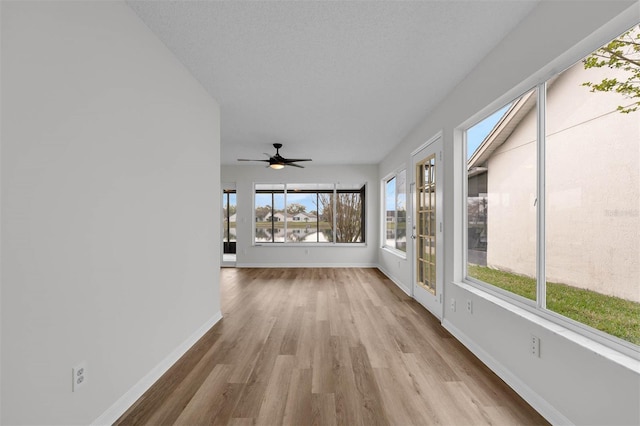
<point>433,303</point>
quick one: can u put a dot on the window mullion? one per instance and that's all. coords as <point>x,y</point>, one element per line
<point>540,197</point>
<point>273,210</point>
<point>335,213</point>
<point>317,217</point>
<point>395,210</point>
<point>228,218</point>
<point>395,231</point>
<point>286,215</point>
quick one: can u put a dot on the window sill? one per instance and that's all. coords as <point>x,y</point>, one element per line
<point>536,317</point>
<point>309,244</point>
<point>395,252</point>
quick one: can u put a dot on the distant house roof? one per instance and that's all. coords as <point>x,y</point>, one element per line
<point>305,214</point>
<point>280,214</point>
<point>502,130</point>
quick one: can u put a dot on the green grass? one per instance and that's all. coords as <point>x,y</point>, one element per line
<point>618,317</point>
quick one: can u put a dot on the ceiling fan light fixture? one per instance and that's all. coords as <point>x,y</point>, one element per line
<point>276,166</point>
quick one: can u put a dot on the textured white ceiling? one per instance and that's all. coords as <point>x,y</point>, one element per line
<point>339,82</point>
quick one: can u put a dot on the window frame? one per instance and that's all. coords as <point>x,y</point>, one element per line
<point>510,300</point>
<point>336,189</point>
<point>383,222</point>
<point>537,307</point>
<point>494,290</point>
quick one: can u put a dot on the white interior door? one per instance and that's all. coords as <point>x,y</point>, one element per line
<point>427,226</point>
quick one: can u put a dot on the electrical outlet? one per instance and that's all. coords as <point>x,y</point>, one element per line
<point>469,306</point>
<point>535,346</point>
<point>453,304</point>
<point>79,375</point>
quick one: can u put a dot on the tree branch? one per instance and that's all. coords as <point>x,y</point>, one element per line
<point>621,57</point>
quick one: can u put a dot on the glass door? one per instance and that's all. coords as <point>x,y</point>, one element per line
<point>427,227</point>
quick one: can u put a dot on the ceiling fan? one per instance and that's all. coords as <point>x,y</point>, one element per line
<point>277,161</point>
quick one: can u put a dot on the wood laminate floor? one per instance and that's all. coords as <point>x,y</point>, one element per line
<point>326,347</point>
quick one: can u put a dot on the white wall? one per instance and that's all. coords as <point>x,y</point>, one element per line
<point>110,213</point>
<point>245,176</point>
<point>575,380</point>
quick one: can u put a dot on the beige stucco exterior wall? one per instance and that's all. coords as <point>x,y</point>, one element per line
<point>592,187</point>
<point>511,186</point>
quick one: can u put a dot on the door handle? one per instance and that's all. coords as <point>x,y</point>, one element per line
<point>413,237</point>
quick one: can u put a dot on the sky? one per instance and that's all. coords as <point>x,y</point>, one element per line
<point>477,133</point>
<point>390,192</point>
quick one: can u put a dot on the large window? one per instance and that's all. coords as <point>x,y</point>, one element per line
<point>395,214</point>
<point>501,197</point>
<point>309,213</point>
<point>269,213</point>
<point>553,195</point>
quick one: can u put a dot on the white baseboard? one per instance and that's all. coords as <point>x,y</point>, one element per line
<point>395,280</point>
<point>132,395</point>
<point>306,265</point>
<point>540,404</point>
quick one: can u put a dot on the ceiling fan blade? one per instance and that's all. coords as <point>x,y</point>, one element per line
<point>295,160</point>
<point>277,161</point>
